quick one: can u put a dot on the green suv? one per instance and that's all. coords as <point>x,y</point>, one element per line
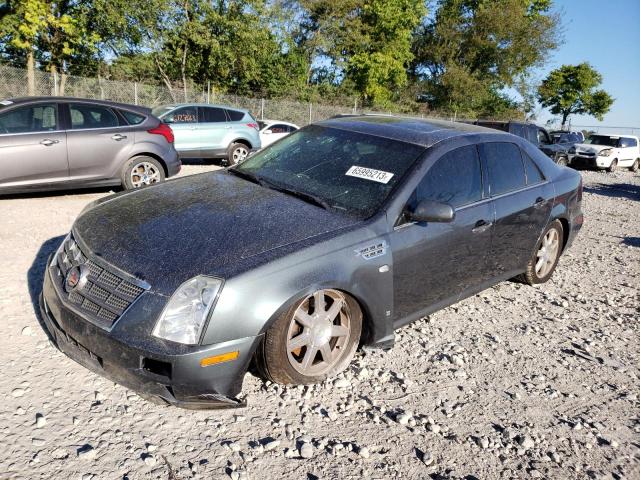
<point>211,131</point>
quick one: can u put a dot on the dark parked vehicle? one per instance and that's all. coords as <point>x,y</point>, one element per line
<point>51,143</point>
<point>557,151</point>
<point>336,235</point>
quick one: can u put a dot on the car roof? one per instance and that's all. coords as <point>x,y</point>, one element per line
<point>215,105</point>
<point>420,131</point>
<point>107,103</point>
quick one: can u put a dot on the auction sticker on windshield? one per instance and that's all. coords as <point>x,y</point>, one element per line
<point>369,174</point>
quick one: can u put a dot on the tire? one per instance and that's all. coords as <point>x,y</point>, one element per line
<point>237,153</point>
<point>563,161</point>
<point>142,171</point>
<point>283,360</point>
<point>613,167</point>
<point>636,165</point>
<point>541,273</point>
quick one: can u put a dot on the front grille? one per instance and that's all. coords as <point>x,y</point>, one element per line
<point>101,295</point>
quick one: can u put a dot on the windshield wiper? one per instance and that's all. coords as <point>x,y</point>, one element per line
<point>246,175</point>
<point>307,197</point>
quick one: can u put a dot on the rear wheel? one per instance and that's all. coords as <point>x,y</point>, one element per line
<point>636,165</point>
<point>141,171</point>
<point>613,167</point>
<point>545,256</point>
<point>237,153</point>
<point>314,340</point>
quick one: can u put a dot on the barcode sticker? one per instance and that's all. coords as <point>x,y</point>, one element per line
<point>379,176</point>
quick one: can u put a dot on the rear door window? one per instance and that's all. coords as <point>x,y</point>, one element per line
<point>92,116</point>
<point>235,115</point>
<point>455,178</point>
<point>534,175</point>
<point>182,115</point>
<point>212,115</point>
<point>505,167</point>
<point>132,118</point>
<point>30,119</point>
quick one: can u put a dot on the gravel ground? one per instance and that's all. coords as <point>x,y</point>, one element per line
<point>516,382</point>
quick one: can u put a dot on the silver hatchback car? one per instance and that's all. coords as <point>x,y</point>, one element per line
<point>52,143</point>
<point>212,131</point>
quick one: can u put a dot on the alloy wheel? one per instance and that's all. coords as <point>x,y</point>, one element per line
<point>318,333</point>
<point>239,154</point>
<point>547,253</point>
<point>144,173</point>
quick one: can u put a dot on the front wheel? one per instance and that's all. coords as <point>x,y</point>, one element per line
<point>237,153</point>
<point>313,340</point>
<point>545,256</point>
<point>613,166</point>
<point>636,165</point>
<point>141,171</point>
<point>563,161</point>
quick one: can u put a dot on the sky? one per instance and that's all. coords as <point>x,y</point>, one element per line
<point>607,35</point>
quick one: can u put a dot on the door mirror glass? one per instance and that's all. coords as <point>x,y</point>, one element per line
<point>431,211</point>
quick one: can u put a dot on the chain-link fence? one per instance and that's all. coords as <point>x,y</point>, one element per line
<point>14,83</point>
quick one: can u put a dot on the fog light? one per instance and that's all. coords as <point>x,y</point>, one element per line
<point>223,357</point>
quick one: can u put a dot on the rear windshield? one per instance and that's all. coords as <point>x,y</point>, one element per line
<point>603,140</point>
<point>159,111</point>
<point>350,172</point>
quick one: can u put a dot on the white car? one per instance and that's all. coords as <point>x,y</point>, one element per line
<point>606,152</point>
<point>272,130</point>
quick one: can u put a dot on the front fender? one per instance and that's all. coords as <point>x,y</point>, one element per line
<point>252,301</point>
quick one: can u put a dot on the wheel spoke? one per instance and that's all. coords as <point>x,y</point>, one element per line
<point>318,302</point>
<point>334,310</point>
<point>339,331</point>
<point>539,264</point>
<point>327,353</point>
<point>298,342</point>
<point>309,355</point>
<point>303,318</point>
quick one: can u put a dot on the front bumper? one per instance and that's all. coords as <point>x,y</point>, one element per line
<point>176,379</point>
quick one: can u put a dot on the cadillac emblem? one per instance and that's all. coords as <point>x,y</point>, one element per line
<point>72,280</point>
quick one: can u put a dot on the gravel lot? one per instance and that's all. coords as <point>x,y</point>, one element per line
<point>516,382</point>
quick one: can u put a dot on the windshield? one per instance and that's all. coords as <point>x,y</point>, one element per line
<point>348,171</point>
<point>603,140</point>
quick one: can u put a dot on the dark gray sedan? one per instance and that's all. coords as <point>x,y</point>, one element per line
<point>52,143</point>
<point>333,237</point>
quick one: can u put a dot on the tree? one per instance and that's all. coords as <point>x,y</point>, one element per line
<point>572,89</point>
<point>472,49</point>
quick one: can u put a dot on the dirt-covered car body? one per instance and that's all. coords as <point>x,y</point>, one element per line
<point>270,249</point>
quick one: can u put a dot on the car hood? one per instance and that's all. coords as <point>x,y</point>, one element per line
<point>590,148</point>
<point>206,224</point>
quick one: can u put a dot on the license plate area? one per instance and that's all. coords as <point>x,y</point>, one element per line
<point>79,352</point>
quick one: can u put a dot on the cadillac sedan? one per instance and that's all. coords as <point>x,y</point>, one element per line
<point>331,238</point>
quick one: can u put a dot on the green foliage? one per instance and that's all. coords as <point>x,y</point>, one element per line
<point>572,89</point>
<point>473,48</point>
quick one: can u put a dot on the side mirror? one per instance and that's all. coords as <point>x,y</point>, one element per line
<point>267,132</point>
<point>430,211</point>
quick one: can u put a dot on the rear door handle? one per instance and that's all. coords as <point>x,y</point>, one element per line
<point>117,137</point>
<point>540,202</point>
<point>47,142</point>
<point>481,226</point>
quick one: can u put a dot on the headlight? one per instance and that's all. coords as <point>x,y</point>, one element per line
<point>605,153</point>
<point>183,318</point>
<point>572,150</point>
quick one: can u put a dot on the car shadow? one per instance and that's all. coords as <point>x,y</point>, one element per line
<point>35,276</point>
<point>60,193</point>
<point>619,190</point>
<point>631,241</point>
<point>202,161</point>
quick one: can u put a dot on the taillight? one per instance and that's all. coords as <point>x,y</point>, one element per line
<point>253,125</point>
<point>164,130</point>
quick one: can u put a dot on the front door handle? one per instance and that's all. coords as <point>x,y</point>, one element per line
<point>47,142</point>
<point>481,226</point>
<point>117,137</point>
<point>540,202</point>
